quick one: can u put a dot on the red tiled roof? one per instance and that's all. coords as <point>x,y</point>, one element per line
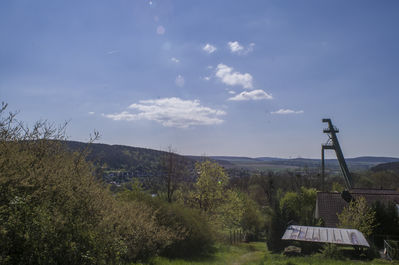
<point>329,204</point>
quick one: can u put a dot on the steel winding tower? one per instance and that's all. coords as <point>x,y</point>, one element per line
<point>333,144</point>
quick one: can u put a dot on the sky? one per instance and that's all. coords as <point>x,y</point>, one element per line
<point>243,78</point>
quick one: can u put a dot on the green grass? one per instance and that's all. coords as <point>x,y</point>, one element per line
<point>241,254</point>
<point>255,253</point>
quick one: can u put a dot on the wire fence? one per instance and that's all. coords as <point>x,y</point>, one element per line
<point>391,249</point>
<point>378,240</point>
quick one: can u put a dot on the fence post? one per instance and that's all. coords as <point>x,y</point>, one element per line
<point>234,233</point>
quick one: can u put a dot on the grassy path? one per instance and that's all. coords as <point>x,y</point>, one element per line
<point>241,254</point>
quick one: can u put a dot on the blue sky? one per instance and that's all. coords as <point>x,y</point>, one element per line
<point>248,78</point>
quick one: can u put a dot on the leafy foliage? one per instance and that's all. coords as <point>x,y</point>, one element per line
<point>192,234</point>
<point>358,215</point>
<point>253,220</point>
<point>299,206</point>
<point>210,185</point>
<point>53,211</point>
<point>232,209</point>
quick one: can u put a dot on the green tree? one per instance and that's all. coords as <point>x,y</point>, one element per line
<point>275,230</point>
<point>299,206</point>
<point>253,221</point>
<point>210,186</point>
<point>231,209</point>
<point>263,188</point>
<point>358,215</point>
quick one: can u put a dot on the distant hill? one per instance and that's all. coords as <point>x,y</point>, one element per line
<point>394,166</point>
<point>373,159</point>
<point>273,163</point>
<point>120,156</point>
<point>233,158</point>
<point>122,164</point>
<point>143,162</point>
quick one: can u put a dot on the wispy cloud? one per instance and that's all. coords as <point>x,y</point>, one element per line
<point>179,81</point>
<point>91,112</point>
<point>207,78</point>
<point>112,52</point>
<point>250,47</point>
<point>171,112</point>
<point>287,111</point>
<point>175,60</point>
<point>232,92</point>
<point>209,48</point>
<point>231,78</point>
<point>258,94</point>
<point>237,48</point>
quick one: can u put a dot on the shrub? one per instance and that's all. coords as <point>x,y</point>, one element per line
<point>331,251</point>
<point>358,215</point>
<point>53,211</point>
<point>196,236</point>
<point>192,233</point>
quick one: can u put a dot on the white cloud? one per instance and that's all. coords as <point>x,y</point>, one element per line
<point>207,78</point>
<point>91,112</point>
<point>228,77</point>
<point>175,60</point>
<point>232,92</point>
<point>171,112</point>
<point>209,48</point>
<point>287,111</point>
<point>179,81</point>
<point>235,46</point>
<point>251,95</point>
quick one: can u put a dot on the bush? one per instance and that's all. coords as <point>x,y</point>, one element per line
<point>53,211</point>
<point>332,251</point>
<point>196,236</point>
<point>193,235</point>
<point>136,226</point>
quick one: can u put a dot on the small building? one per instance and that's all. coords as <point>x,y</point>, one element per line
<point>331,235</point>
<point>330,204</point>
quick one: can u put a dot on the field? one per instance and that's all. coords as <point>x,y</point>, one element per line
<point>256,254</point>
